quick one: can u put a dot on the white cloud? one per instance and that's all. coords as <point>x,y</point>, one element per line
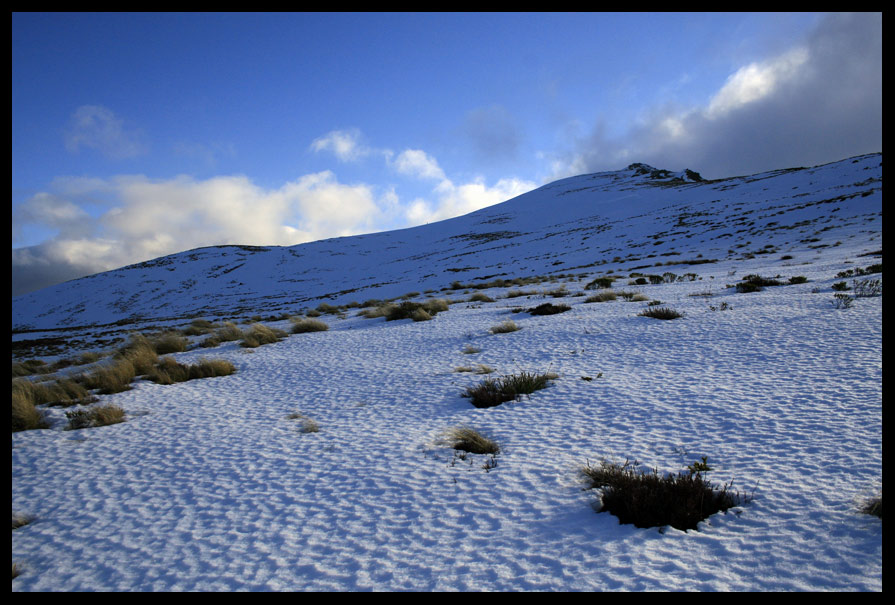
<point>419,164</point>
<point>820,101</point>
<point>98,128</point>
<point>148,218</point>
<point>456,200</point>
<point>756,81</point>
<point>344,144</point>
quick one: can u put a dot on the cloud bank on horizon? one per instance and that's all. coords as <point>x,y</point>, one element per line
<point>815,99</point>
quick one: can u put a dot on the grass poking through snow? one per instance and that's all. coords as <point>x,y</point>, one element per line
<point>649,499</point>
<point>495,391</point>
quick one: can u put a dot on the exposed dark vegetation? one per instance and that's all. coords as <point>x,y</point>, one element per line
<point>423,311</point>
<point>660,313</point>
<point>493,392</point>
<point>600,282</point>
<point>873,506</point>
<point>103,415</point>
<point>756,283</point>
<point>650,499</point>
<point>548,309</point>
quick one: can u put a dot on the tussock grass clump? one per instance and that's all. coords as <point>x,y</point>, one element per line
<point>478,369</point>
<point>29,367</point>
<point>416,311</point>
<point>170,371</point>
<point>548,309</point>
<point>20,520</point>
<point>117,376</point>
<point>309,325</point>
<point>25,416</point>
<point>470,350</point>
<point>505,327</point>
<point>481,297</point>
<point>103,415</point>
<point>600,282</point>
<point>306,425</point>
<point>407,310</point>
<point>756,283</point>
<point>328,309</point>
<point>140,352</point>
<point>518,293</point>
<point>229,332</point>
<point>170,342</point>
<point>63,392</point>
<point>873,506</point>
<point>631,295</point>
<point>198,327</point>
<point>467,439</point>
<point>660,313</point>
<point>258,334</point>
<point>648,499</point>
<point>602,296</point>
<point>493,392</point>
<point>867,288</point>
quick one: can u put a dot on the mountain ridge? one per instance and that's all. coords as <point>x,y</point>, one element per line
<point>608,221</point>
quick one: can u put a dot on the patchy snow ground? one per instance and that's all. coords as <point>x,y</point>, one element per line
<point>209,486</point>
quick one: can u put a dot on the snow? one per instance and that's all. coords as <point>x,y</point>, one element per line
<point>210,485</point>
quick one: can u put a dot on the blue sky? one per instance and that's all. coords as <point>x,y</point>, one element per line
<point>139,135</point>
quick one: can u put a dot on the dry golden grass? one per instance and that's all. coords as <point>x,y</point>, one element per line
<point>103,415</point>
<point>117,376</point>
<point>25,417</point>
<point>469,440</point>
<point>170,371</point>
<point>259,334</point>
<point>303,326</point>
<point>505,327</point>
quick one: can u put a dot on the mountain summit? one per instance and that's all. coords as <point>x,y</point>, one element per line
<point>595,223</point>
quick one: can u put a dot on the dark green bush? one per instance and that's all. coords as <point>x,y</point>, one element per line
<point>745,287</point>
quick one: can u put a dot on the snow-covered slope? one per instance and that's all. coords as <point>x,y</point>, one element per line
<point>594,222</point>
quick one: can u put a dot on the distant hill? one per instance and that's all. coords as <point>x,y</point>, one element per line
<point>631,219</point>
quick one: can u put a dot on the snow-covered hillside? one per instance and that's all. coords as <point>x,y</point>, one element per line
<point>639,216</point>
<point>221,484</point>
